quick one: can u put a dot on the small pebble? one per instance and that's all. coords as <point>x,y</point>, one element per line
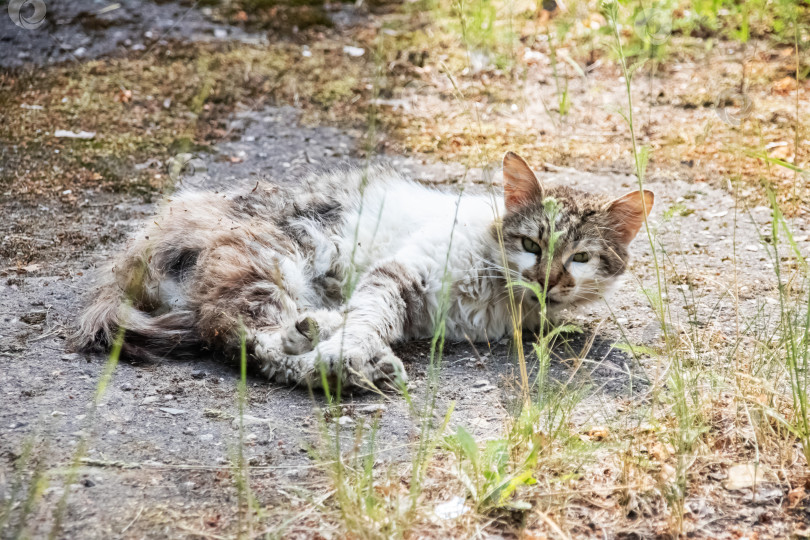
<point>480,383</point>
<point>345,420</point>
<point>198,374</point>
<point>88,483</point>
<point>126,387</point>
<point>370,409</point>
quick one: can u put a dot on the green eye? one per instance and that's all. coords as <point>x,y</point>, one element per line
<point>531,246</point>
<point>582,257</point>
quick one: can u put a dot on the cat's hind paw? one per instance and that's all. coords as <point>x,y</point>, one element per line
<point>310,329</point>
<point>301,337</point>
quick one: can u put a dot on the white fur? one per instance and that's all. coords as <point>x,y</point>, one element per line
<point>414,225</point>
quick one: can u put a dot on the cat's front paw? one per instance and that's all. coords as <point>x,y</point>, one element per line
<point>356,367</point>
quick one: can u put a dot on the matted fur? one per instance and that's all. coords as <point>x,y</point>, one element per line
<point>278,263</point>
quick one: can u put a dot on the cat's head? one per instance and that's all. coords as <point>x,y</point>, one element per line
<point>591,234</point>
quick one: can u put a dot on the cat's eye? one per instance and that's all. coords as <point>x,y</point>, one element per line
<point>582,257</point>
<point>531,246</point>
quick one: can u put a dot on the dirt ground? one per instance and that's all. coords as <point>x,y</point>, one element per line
<point>159,446</point>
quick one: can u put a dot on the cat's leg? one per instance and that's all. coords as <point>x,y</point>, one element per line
<point>389,300</point>
<point>239,299</point>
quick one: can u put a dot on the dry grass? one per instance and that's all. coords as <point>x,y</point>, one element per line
<point>719,405</point>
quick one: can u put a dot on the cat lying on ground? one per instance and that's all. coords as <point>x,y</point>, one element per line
<point>326,275</point>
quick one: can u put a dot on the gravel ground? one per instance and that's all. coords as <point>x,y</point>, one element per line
<point>79,30</point>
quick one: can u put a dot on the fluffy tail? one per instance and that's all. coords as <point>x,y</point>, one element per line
<point>117,312</point>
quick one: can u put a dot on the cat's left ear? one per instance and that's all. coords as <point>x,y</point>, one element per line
<point>520,185</point>
<point>628,213</point>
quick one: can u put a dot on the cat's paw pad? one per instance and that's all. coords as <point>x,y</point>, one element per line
<point>301,337</point>
<point>388,369</point>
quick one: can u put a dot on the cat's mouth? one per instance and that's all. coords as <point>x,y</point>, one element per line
<point>549,300</point>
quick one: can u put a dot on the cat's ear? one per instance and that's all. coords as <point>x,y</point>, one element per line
<point>628,213</point>
<point>520,185</point>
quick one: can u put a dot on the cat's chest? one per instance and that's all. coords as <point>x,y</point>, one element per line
<point>479,308</point>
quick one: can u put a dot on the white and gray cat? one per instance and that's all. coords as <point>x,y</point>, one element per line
<point>324,277</point>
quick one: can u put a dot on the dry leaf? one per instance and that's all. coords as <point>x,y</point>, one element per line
<point>597,433</point>
<point>795,496</point>
<point>744,475</point>
<point>452,509</point>
<point>387,489</point>
<point>668,473</point>
<point>124,96</point>
<point>782,152</point>
<point>784,85</point>
<point>661,452</point>
<point>801,533</point>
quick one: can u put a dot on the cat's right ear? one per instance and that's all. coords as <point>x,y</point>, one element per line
<point>520,185</point>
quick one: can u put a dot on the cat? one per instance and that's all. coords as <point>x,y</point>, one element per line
<point>320,279</point>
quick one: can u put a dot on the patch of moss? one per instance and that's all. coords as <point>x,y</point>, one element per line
<point>145,109</point>
<point>282,16</point>
<point>333,91</point>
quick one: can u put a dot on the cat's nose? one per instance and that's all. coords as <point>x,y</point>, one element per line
<point>553,279</point>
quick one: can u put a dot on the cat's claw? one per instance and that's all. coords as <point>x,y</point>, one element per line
<point>356,368</point>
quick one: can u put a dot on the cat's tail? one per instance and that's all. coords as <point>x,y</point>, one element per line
<point>123,313</point>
